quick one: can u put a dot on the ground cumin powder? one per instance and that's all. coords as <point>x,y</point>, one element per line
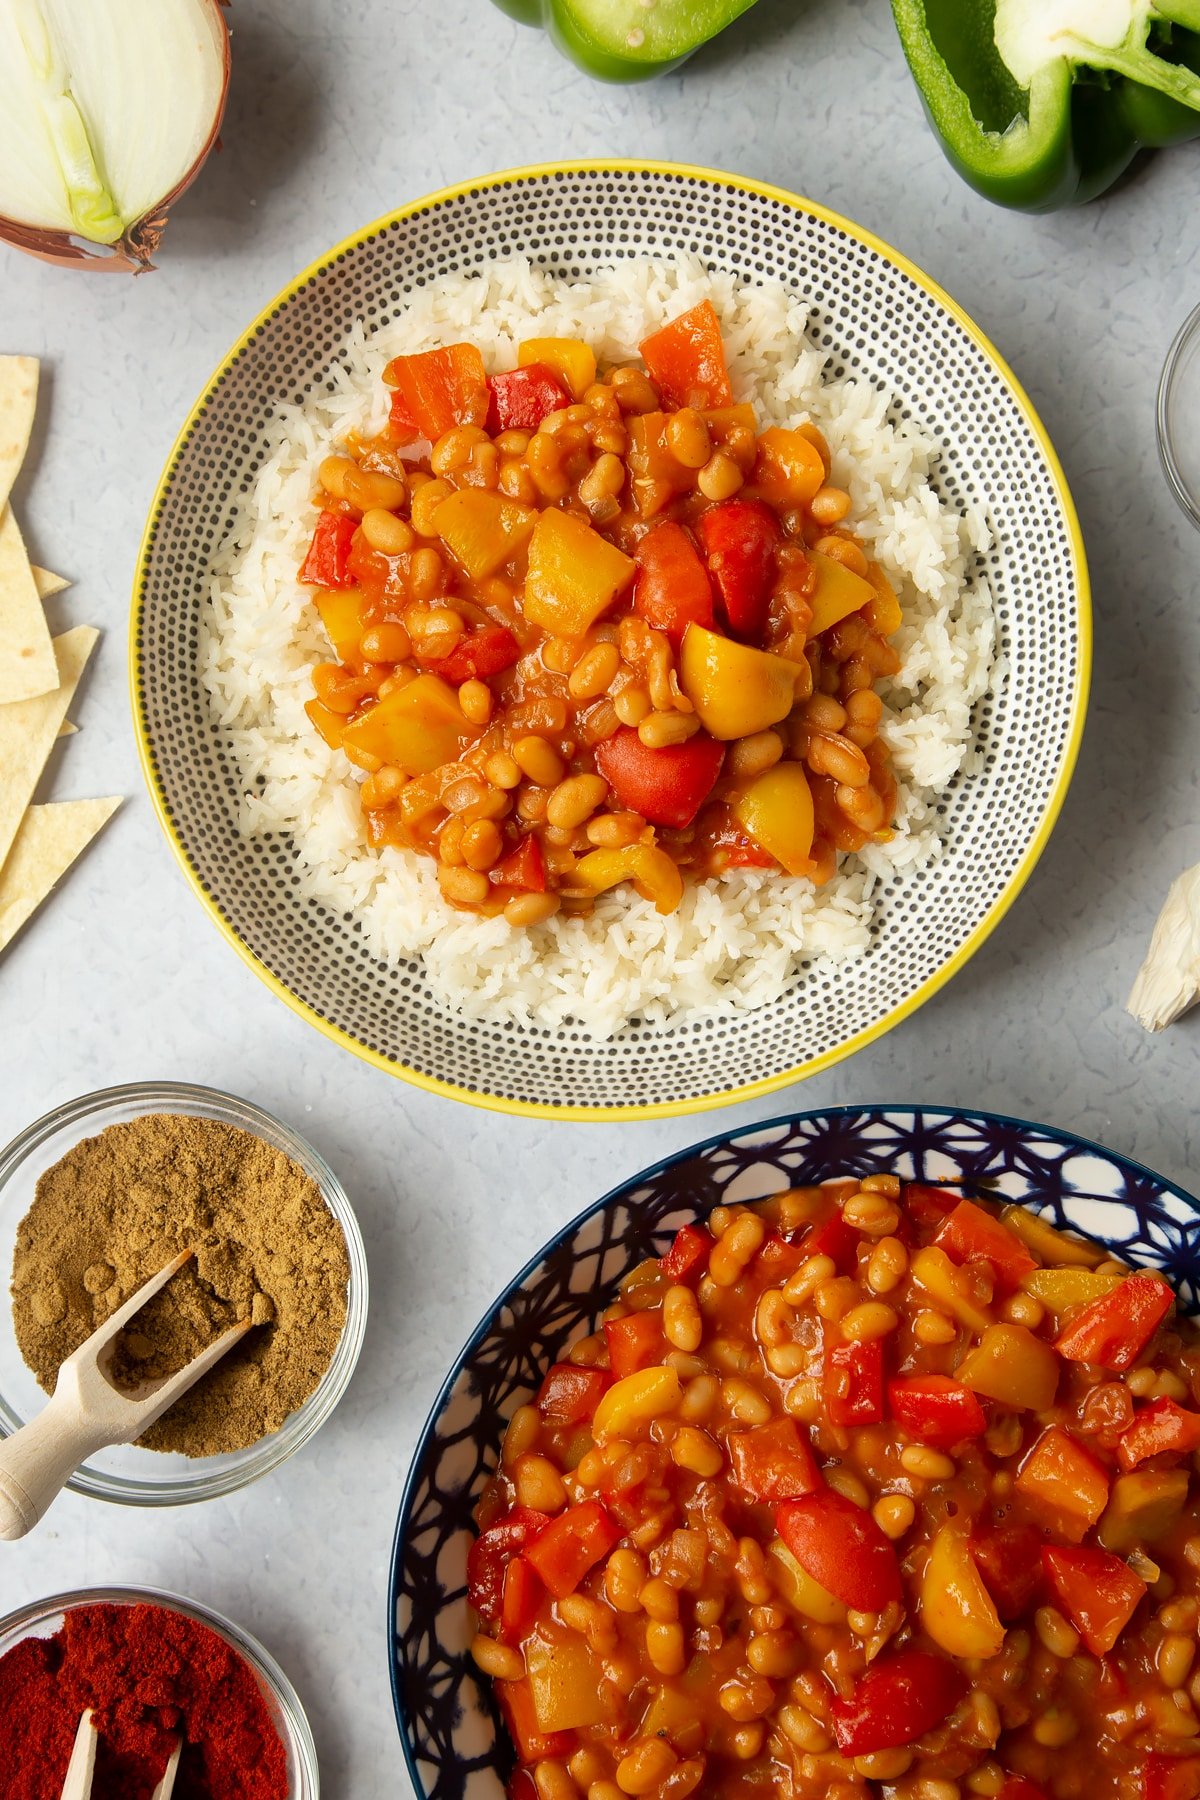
<point>265,1247</point>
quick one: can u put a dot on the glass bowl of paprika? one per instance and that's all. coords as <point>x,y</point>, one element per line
<point>243,1727</point>
<point>229,1180</point>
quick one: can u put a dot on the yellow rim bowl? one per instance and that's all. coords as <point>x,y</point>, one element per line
<point>875,314</point>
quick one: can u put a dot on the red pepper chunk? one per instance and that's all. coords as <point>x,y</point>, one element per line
<point>327,564</point>
<point>688,1256</point>
<point>773,1462</point>
<point>436,390</point>
<point>835,1239</point>
<point>570,1394</point>
<point>1008,1558</point>
<point>519,1602</point>
<point>571,1545</point>
<point>520,399</point>
<point>936,1410</point>
<point>926,1205</point>
<point>634,1343</point>
<point>972,1235</point>
<point>1159,1429</point>
<point>1064,1484</point>
<point>898,1700</point>
<point>1018,1788</point>
<point>842,1548</point>
<point>1114,1330</point>
<point>490,1554</point>
<point>521,1786</point>
<point>524,867</point>
<point>672,589</point>
<point>1170,1778</point>
<point>852,1382</point>
<point>777,1259</point>
<point>686,359</point>
<point>488,651</point>
<point>1099,1593</point>
<point>667,786</point>
<point>739,539</point>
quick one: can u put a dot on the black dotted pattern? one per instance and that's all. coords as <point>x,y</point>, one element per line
<point>453,1741</point>
<point>872,320</point>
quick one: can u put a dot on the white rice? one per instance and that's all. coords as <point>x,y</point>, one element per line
<point>733,944</point>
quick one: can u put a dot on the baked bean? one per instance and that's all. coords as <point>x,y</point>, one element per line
<point>635,392</point>
<point>594,673</point>
<point>862,1324</point>
<point>475,699</point>
<point>382,789</point>
<point>482,845</point>
<point>553,1783</point>
<point>615,831</point>
<point>829,505</point>
<point>823,713</point>
<point>465,887</point>
<point>632,704</point>
<point>802,1729</point>
<point>773,1319</point>
<point>871,1213</point>
<point>720,478</point>
<point>845,1482</point>
<point>682,1325</point>
<point>575,800</point>
<point>887,1266</point>
<point>808,1278</point>
<point>501,1661</point>
<point>929,1465</point>
<point>735,1248</point>
<point>1059,1638</point>
<point>688,439</point>
<point>894,1514</point>
<point>745,1402</point>
<point>537,1483</point>
<point>1174,1658</point>
<point>538,760</point>
<point>647,1762</point>
<point>693,1449</point>
<point>845,551</point>
<point>385,532</point>
<point>754,755</point>
<point>930,1327</point>
<point>842,761</point>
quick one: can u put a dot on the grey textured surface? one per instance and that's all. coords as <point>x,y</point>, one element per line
<point>337,114</point>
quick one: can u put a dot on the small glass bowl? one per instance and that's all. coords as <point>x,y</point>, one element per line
<point>125,1473</point>
<point>1178,416</point>
<point>42,1618</point>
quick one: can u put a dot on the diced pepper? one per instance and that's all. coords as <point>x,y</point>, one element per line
<point>799,1589</point>
<point>1099,1593</point>
<point>341,615</point>
<point>1161,1428</point>
<point>688,1256</point>
<point>417,728</point>
<point>1008,1558</point>
<point>1143,1507</point>
<point>574,574</point>
<point>1058,1249</point>
<point>404,427</point>
<point>515,1700</point>
<point>971,1234</point>
<point>439,389</point>
<point>520,1601</point>
<point>667,786</point>
<point>482,530</point>
<point>570,1394</point>
<point>841,1547</point>
<point>671,1714</point>
<point>330,724</point>
<point>926,1204</point>
<point>686,359</point>
<point>1170,1778</point>
<point>491,1553</point>
<point>483,653</point>
<point>634,1342</point>
<point>778,1258</point>
<point>776,810</point>
<point>327,563</point>
<point>882,612</point>
<point>852,1381</point>
<point>521,398</point>
<point>898,1700</point>
<point>1114,1330</point>
<point>568,360</point>
<point>524,868</point>
<point>636,1401</point>
<point>653,873</point>
<point>832,1237</point>
<point>1009,1364</point>
<point>1060,1289</point>
<point>573,1543</point>
<point>565,1681</point>
<point>956,1609</point>
<point>788,471</point>
<point>773,1462</point>
<point>739,539</point>
<point>735,689</point>
<point>936,1411</point>
<point>672,589</point>
<point>838,592</point>
<point>949,1287</point>
<point>1064,1484</point>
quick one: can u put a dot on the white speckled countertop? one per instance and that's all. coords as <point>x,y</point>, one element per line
<point>122,977</point>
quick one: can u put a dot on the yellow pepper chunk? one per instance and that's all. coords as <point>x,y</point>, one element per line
<point>574,574</point>
<point>736,690</point>
<point>1060,1289</point>
<point>1049,1245</point>
<point>564,1679</point>
<point>788,471</point>
<point>341,615</point>
<point>799,1589</point>
<point>883,612</point>
<point>482,530</point>
<point>416,729</point>
<point>949,1287</point>
<point>330,724</point>
<point>573,362</point>
<point>1141,1507</point>
<point>955,1607</point>
<point>635,1400</point>
<point>776,810</point>
<point>838,592</point>
<point>1009,1364</point>
<point>652,872</point>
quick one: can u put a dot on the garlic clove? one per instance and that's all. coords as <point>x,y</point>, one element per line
<point>1168,982</point>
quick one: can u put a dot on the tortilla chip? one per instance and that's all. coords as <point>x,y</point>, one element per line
<point>47,584</point>
<point>66,729</point>
<point>50,839</point>
<point>28,729</point>
<point>27,665</point>
<point>18,398</point>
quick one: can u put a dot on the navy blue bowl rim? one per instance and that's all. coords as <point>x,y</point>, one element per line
<point>879,1109</point>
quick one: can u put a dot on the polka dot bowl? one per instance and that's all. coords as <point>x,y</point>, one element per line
<point>875,316</point>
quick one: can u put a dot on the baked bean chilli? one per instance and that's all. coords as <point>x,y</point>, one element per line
<point>871,1489</point>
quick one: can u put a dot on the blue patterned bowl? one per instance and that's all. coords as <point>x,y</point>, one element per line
<point>453,1743</point>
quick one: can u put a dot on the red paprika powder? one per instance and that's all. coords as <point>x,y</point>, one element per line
<point>149,1676</point>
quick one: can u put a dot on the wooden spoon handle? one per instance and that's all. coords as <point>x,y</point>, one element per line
<point>37,1460</point>
<point>80,1769</point>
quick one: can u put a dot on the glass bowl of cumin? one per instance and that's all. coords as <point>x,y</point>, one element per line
<point>131,1474</point>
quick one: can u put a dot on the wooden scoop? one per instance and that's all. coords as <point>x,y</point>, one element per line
<point>86,1412</point>
<point>82,1767</point>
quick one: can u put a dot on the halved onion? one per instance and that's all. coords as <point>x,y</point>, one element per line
<point>108,109</point>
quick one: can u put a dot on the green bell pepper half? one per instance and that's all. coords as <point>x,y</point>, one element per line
<point>627,40</point>
<point>1068,136</point>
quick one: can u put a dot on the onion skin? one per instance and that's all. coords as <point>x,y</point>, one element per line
<point>132,253</point>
